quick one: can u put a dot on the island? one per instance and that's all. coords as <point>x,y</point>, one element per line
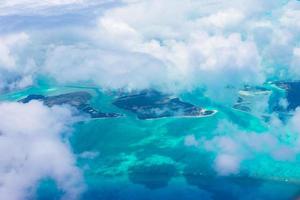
<point>248,96</point>
<point>79,100</point>
<point>151,104</point>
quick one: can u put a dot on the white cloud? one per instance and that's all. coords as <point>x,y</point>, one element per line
<point>46,7</point>
<point>16,67</point>
<point>232,145</point>
<point>166,52</point>
<point>227,164</point>
<point>294,121</point>
<point>175,46</point>
<point>190,140</point>
<point>290,17</point>
<point>222,19</point>
<point>199,61</point>
<point>295,64</point>
<point>109,69</point>
<point>31,149</point>
<point>9,47</point>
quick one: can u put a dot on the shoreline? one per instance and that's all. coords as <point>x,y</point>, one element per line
<point>199,116</point>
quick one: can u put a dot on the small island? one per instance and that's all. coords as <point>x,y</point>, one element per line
<point>79,100</point>
<point>247,97</point>
<point>151,104</point>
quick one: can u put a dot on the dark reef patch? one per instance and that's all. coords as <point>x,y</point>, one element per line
<point>152,175</point>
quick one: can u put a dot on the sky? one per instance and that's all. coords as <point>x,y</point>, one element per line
<point>172,46</point>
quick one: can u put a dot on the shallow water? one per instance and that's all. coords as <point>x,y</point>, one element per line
<point>126,158</point>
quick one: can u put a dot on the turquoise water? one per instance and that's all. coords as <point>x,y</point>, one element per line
<point>148,159</point>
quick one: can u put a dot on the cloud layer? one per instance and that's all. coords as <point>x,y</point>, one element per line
<point>176,46</point>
